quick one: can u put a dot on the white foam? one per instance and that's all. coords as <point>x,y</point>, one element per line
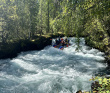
<point>24,65</point>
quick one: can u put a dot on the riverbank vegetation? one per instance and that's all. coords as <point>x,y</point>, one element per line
<point>101,84</point>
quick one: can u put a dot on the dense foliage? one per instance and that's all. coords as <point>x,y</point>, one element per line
<point>22,19</point>
<point>101,84</point>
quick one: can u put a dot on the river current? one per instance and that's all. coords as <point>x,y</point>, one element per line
<point>51,70</point>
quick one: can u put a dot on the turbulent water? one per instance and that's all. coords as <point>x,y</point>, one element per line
<point>51,70</point>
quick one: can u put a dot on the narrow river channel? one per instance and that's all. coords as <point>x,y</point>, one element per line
<point>51,70</point>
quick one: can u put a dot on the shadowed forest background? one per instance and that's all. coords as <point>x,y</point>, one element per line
<point>23,19</point>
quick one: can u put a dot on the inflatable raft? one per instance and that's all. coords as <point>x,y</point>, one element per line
<point>60,46</point>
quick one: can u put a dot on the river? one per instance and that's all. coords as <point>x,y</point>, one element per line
<point>51,70</point>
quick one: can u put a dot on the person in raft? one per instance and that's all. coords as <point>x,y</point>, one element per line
<point>59,41</point>
<point>66,41</point>
<point>56,41</point>
<point>62,43</point>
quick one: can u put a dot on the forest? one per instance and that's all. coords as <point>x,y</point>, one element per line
<point>23,19</point>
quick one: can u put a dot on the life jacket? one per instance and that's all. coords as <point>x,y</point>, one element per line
<point>62,40</point>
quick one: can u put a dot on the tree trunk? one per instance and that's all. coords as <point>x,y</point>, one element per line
<point>48,26</point>
<point>41,20</point>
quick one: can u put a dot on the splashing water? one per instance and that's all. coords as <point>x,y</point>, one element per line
<point>51,70</point>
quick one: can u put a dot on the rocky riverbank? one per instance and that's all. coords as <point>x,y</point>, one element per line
<point>11,50</point>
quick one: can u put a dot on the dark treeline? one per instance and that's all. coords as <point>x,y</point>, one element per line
<point>22,19</point>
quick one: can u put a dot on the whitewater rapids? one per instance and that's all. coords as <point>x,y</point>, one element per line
<point>51,70</point>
